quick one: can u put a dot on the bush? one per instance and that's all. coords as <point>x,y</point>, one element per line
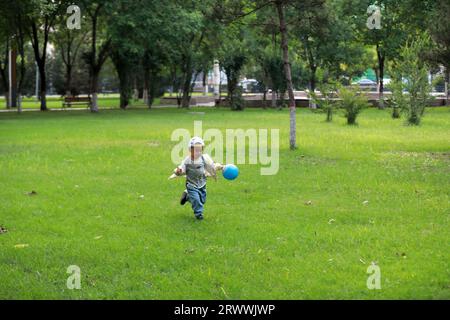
<point>352,102</point>
<point>411,91</point>
<point>397,99</point>
<point>324,102</point>
<point>236,101</point>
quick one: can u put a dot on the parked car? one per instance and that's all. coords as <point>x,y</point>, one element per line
<point>366,83</point>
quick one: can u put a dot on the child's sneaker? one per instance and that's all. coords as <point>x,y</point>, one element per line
<point>184,198</point>
<point>199,217</point>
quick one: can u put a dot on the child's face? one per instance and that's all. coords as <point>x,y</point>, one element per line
<point>196,152</point>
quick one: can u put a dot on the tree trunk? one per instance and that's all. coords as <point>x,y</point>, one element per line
<point>145,96</point>
<point>135,90</point>
<point>230,87</point>
<point>287,70</point>
<point>124,84</point>
<point>186,99</point>
<point>7,99</point>
<point>381,59</point>
<point>205,85</point>
<point>19,103</point>
<point>447,77</point>
<point>395,113</point>
<point>4,73</point>
<point>13,76</point>
<point>151,90</point>
<point>217,80</point>
<point>94,93</point>
<point>43,86</point>
<point>329,114</point>
<point>96,61</point>
<point>265,99</point>
<point>68,79</point>
<point>22,68</point>
<point>145,93</point>
<point>312,86</point>
<point>377,75</point>
<point>124,100</point>
<point>146,86</point>
<point>40,61</point>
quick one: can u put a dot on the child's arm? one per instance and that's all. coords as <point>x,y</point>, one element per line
<point>211,167</point>
<point>179,171</point>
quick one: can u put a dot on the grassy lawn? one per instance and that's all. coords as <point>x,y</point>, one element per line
<point>261,237</point>
<point>105,101</point>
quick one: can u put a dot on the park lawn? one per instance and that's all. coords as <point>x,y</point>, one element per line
<point>261,237</point>
<point>104,101</point>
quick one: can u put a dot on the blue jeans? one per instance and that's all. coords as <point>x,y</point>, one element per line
<point>197,198</point>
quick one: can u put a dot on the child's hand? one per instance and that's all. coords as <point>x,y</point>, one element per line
<point>178,171</point>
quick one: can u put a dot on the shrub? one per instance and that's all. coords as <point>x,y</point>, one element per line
<point>352,101</point>
<point>325,102</point>
<point>411,90</point>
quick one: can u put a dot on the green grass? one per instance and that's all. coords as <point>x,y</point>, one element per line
<point>105,101</point>
<point>259,239</point>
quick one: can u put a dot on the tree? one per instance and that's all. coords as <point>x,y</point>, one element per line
<point>155,48</point>
<point>97,12</point>
<point>265,62</point>
<point>326,100</point>
<point>4,54</point>
<point>68,43</point>
<point>411,88</point>
<point>233,56</point>
<point>386,39</point>
<point>242,9</point>
<point>15,30</point>
<point>144,53</point>
<point>314,31</point>
<point>439,28</point>
<point>352,102</point>
<point>325,40</point>
<point>190,24</point>
<point>124,62</point>
<point>280,7</point>
<point>153,66</point>
<point>40,16</point>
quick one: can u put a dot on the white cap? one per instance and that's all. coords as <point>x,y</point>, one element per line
<point>196,140</point>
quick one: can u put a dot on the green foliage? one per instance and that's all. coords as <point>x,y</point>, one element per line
<point>398,99</point>
<point>352,101</point>
<point>232,64</point>
<point>325,101</point>
<point>275,69</point>
<point>410,86</point>
<point>173,40</point>
<point>326,40</point>
<point>438,24</point>
<point>233,55</point>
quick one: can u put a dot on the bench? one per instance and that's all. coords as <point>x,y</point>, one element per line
<point>71,101</point>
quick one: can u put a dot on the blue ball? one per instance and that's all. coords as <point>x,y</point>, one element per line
<point>230,172</point>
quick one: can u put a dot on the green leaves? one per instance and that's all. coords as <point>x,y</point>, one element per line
<point>352,101</point>
<point>411,90</point>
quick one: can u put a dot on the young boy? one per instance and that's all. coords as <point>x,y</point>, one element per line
<point>197,166</point>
